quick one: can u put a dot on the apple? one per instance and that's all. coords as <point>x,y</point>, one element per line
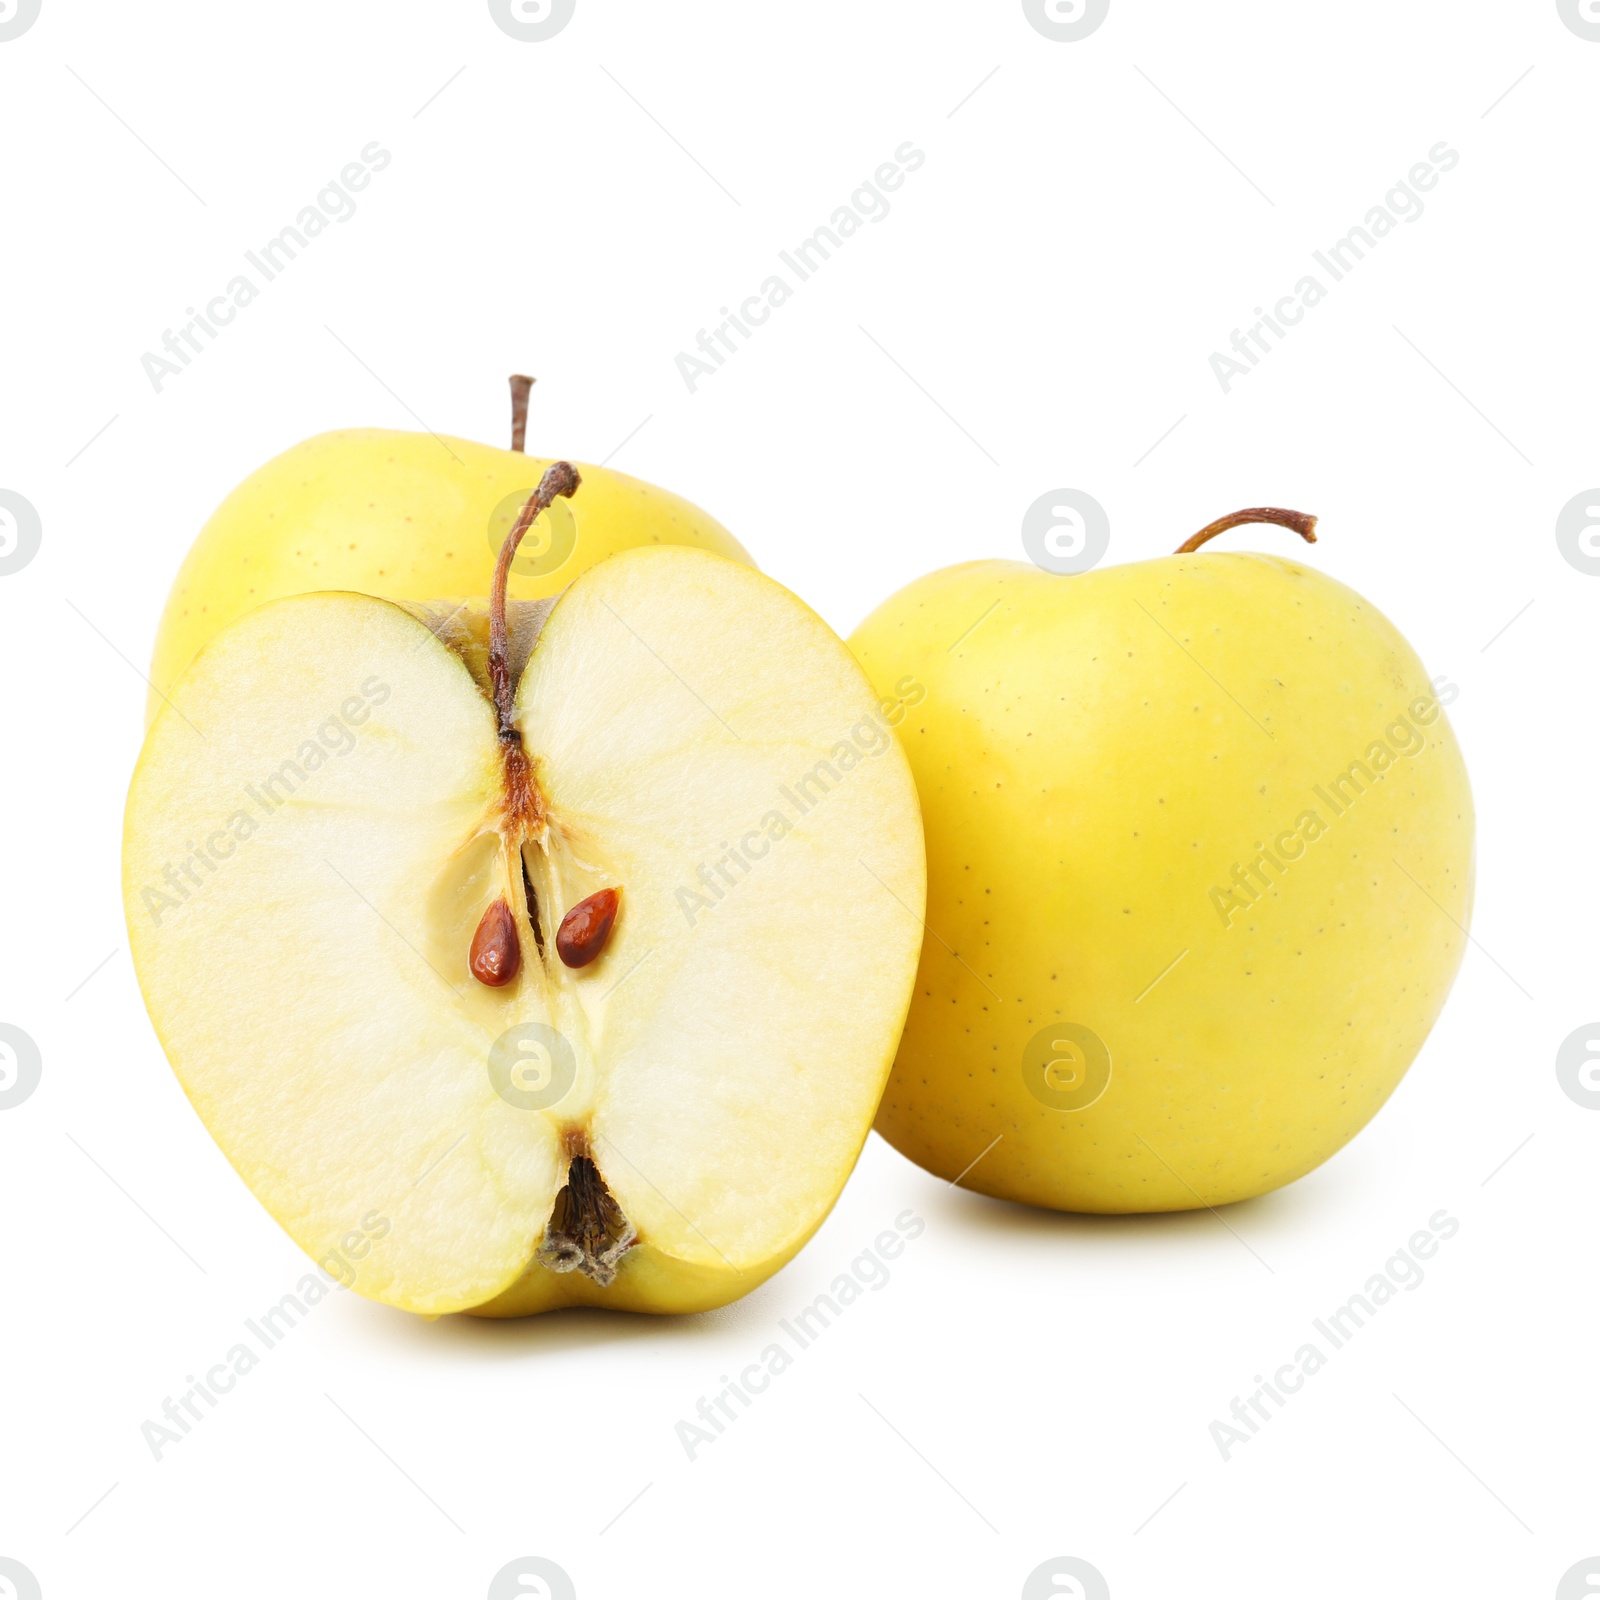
<point>536,954</point>
<point>1200,869</point>
<point>408,516</point>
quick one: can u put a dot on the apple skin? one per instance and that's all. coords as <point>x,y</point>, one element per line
<point>1086,783</point>
<point>402,516</point>
<point>654,1283</point>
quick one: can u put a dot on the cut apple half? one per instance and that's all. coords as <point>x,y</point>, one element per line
<point>336,843</point>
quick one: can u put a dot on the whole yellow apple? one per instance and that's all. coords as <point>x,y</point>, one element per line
<point>407,517</point>
<point>1200,866</point>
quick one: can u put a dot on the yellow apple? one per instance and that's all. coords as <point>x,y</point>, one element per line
<point>363,857</point>
<point>1200,865</point>
<point>408,517</point>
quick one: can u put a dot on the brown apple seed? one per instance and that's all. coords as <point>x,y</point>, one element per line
<point>586,927</point>
<point>496,954</point>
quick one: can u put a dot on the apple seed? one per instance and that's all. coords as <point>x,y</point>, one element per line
<point>496,955</point>
<point>586,927</point>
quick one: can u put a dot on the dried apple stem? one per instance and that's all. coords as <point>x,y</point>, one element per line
<point>520,386</point>
<point>1296,521</point>
<point>523,812</point>
<point>560,480</point>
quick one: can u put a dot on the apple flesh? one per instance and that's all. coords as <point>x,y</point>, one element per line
<point>1200,865</point>
<point>320,823</point>
<point>409,517</point>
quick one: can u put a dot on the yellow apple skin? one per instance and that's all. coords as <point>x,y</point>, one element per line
<point>403,516</point>
<point>1095,755</point>
<point>654,1282</point>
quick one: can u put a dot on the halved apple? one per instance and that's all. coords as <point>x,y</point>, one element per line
<point>337,845</point>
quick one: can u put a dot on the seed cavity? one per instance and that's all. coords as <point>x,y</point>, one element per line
<point>586,927</point>
<point>533,907</point>
<point>496,955</point>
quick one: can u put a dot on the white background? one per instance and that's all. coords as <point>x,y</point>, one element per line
<point>1037,311</point>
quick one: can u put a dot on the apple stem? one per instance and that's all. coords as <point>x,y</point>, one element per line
<point>559,481</point>
<point>1296,521</point>
<point>519,409</point>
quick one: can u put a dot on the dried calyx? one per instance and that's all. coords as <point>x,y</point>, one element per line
<point>587,1231</point>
